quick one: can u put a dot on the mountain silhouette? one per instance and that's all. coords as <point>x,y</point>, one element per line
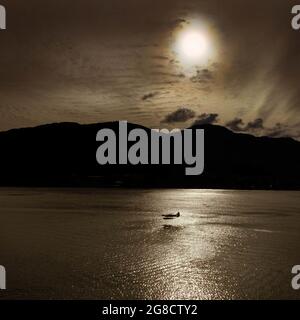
<point>64,154</point>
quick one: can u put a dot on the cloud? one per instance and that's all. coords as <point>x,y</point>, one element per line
<point>178,21</point>
<point>257,124</point>
<point>206,118</point>
<point>149,96</point>
<point>236,124</point>
<point>202,76</point>
<point>180,75</point>
<point>160,57</point>
<point>278,130</point>
<point>180,115</point>
<point>257,127</point>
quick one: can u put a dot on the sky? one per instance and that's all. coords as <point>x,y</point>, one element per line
<point>92,61</point>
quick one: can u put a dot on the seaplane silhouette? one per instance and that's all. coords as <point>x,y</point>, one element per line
<point>171,216</point>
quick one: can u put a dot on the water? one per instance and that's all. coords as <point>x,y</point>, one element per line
<point>114,244</point>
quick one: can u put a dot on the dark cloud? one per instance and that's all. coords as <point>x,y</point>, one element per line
<point>206,118</point>
<point>149,95</point>
<point>180,20</point>
<point>202,76</point>
<point>257,127</point>
<point>257,124</point>
<point>236,124</point>
<point>180,115</point>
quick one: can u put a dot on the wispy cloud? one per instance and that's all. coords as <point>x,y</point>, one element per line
<point>149,96</point>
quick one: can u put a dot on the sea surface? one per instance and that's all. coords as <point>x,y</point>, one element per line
<point>115,244</point>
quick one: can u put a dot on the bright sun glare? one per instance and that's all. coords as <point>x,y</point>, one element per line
<point>194,46</point>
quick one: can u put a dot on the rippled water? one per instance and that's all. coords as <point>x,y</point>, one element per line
<point>114,243</point>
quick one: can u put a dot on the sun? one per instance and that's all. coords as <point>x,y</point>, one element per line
<point>194,45</point>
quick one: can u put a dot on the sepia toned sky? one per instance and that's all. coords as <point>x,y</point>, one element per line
<point>99,60</point>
